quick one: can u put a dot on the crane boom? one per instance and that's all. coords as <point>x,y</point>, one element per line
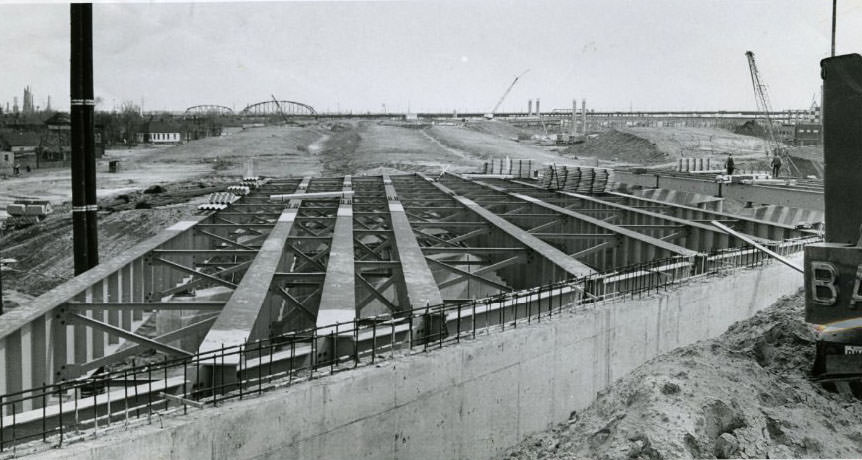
<point>762,100</point>
<point>506,93</point>
<point>280,112</point>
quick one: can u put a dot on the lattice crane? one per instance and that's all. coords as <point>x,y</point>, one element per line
<point>490,115</point>
<point>761,97</point>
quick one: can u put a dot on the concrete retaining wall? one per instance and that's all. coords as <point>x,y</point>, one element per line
<point>472,400</point>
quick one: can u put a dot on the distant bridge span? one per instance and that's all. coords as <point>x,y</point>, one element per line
<point>273,107</point>
<point>209,109</point>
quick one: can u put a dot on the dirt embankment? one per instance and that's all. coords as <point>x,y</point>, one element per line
<point>679,142</point>
<point>44,251</point>
<point>499,128</point>
<point>615,145</point>
<point>742,395</point>
<point>337,150</point>
<point>484,146</point>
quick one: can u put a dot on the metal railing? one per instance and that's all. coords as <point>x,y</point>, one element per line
<point>137,393</point>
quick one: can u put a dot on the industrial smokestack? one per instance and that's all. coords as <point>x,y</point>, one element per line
<point>574,116</point>
<point>584,115</point>
<point>530,107</point>
<point>85,237</point>
<point>538,110</point>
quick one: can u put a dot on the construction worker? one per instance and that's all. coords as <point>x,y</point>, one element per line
<point>729,164</point>
<point>776,165</point>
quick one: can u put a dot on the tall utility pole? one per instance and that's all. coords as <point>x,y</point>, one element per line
<point>834,16</point>
<point>85,235</point>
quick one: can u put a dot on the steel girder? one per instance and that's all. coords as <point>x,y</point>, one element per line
<point>600,244</point>
<point>697,236</point>
<point>457,234</point>
<point>782,196</point>
<point>412,241</point>
<point>748,225</point>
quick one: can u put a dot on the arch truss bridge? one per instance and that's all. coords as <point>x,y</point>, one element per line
<point>209,110</point>
<point>273,107</point>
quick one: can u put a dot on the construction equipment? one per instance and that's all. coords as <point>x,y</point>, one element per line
<point>833,269</point>
<point>773,146</point>
<point>490,115</point>
<point>26,212</point>
<point>280,112</point>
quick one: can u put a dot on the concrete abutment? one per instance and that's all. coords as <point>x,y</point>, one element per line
<point>472,400</point>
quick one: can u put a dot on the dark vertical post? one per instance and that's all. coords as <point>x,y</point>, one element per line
<point>84,233</point>
<point>842,90</point>
<point>1,302</point>
<point>834,16</point>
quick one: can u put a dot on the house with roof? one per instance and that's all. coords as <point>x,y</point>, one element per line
<point>161,132</point>
<point>48,145</point>
<point>18,147</point>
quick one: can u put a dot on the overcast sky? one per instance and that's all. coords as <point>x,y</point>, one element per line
<point>434,55</point>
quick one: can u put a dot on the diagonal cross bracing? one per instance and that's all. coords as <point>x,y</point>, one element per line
<point>703,236</point>
<point>560,259</point>
<point>699,235</point>
<point>636,247</point>
<point>242,319</point>
<point>746,224</point>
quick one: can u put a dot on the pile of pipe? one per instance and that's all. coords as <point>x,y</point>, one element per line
<point>577,179</point>
<point>241,190</point>
<point>218,201</point>
<point>253,182</point>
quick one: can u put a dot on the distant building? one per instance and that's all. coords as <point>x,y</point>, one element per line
<point>807,134</point>
<point>39,145</point>
<point>784,132</point>
<point>28,101</point>
<point>19,147</point>
<point>57,143</point>
<point>7,162</point>
<point>161,132</point>
<point>12,140</point>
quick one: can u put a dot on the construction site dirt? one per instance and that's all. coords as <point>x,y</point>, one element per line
<point>681,405</point>
<point>353,230</point>
<point>745,394</point>
<point>195,169</point>
<point>191,170</point>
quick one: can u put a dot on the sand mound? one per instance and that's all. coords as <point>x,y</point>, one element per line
<point>615,145</point>
<point>742,395</point>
